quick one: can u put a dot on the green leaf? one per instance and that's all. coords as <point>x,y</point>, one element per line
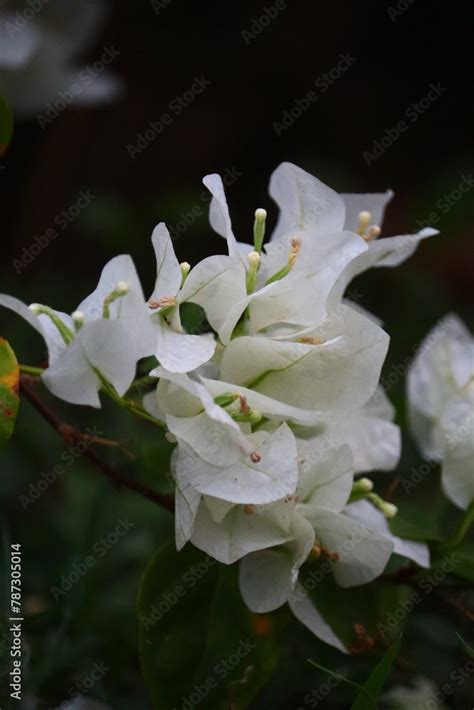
<point>6,125</point>
<point>465,645</point>
<point>373,687</point>
<point>198,642</point>
<point>9,384</point>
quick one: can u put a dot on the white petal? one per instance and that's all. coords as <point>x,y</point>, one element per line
<point>186,506</point>
<point>216,284</point>
<point>301,296</point>
<point>375,443</point>
<point>389,251</point>
<point>265,579</point>
<point>130,310</point>
<point>42,324</point>
<point>219,212</point>
<point>180,352</point>
<point>368,516</point>
<point>326,479</point>
<point>240,480</point>
<point>213,434</point>
<point>342,372</point>
<point>457,425</point>
<point>150,404</point>
<point>168,271</point>
<point>305,203</point>
<point>363,554</point>
<point>305,611</point>
<point>375,203</point>
<point>237,536</point>
<point>217,508</point>
<point>102,345</point>
<point>442,358</point>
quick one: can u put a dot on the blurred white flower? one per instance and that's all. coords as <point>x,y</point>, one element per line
<point>37,50</point>
<point>421,696</point>
<point>441,405</point>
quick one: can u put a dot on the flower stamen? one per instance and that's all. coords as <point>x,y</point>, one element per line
<point>121,289</point>
<point>65,332</point>
<point>165,301</point>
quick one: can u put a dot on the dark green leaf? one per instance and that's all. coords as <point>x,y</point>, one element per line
<point>373,687</point>
<point>198,642</point>
<point>465,645</point>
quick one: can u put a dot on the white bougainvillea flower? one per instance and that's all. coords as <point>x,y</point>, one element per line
<point>176,350</point>
<point>105,337</point>
<point>37,66</point>
<point>293,277</point>
<point>441,405</point>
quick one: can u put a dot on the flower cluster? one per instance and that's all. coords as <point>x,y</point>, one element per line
<point>441,405</point>
<point>277,408</point>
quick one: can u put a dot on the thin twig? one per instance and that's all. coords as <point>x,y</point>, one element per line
<point>69,433</point>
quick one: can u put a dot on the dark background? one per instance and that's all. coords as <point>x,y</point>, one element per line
<point>229,126</point>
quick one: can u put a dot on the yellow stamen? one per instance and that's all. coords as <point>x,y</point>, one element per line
<point>309,340</point>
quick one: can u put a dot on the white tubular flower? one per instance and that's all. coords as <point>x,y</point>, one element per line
<point>115,333</point>
<point>37,67</point>
<point>441,405</point>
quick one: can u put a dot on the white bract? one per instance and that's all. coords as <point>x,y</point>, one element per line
<point>37,50</point>
<point>441,405</point>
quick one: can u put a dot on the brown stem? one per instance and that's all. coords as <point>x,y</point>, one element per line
<point>69,433</point>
